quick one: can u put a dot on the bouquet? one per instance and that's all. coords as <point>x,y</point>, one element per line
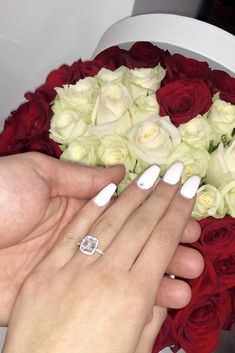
<point>139,107</point>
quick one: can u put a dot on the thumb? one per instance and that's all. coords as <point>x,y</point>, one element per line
<point>75,180</point>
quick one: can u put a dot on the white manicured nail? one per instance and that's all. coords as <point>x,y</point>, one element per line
<point>148,178</point>
<point>173,174</point>
<point>105,195</point>
<point>189,188</point>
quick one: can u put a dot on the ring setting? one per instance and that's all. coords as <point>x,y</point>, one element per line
<point>89,245</point>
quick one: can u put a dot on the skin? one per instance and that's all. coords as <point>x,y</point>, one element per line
<point>93,301</point>
<point>39,196</point>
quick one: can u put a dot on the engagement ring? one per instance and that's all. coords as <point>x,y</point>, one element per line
<point>89,245</point>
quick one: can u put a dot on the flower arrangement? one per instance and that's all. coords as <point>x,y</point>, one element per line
<point>139,107</point>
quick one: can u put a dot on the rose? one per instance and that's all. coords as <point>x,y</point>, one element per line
<point>195,160</point>
<point>43,144</point>
<point>221,167</point>
<point>83,150</point>
<point>202,319</point>
<point>153,139</point>
<point>222,117</point>
<point>182,100</point>
<point>114,149</point>
<point>142,82</point>
<point>110,58</point>
<point>179,67</point>
<point>228,192</point>
<point>197,132</point>
<point>217,237</point>
<point>29,120</point>
<point>143,108</point>
<point>66,125</point>
<point>209,202</point>
<point>145,54</point>
<point>65,74</point>
<point>80,97</point>
<point>110,115</point>
<point>108,76</point>
<point>225,84</point>
<point>225,271</point>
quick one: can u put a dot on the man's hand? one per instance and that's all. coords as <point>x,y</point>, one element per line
<point>39,195</point>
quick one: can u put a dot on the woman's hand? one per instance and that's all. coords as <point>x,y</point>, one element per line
<point>78,303</point>
<point>38,196</point>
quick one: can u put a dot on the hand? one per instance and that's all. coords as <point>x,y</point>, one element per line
<point>38,196</point>
<point>78,303</point>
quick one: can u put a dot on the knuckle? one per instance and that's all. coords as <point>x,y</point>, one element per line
<point>68,238</point>
<point>106,225</point>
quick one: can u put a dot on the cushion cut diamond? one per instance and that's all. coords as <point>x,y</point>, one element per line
<point>89,245</point>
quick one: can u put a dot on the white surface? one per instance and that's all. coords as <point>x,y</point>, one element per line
<point>38,36</point>
<point>180,34</point>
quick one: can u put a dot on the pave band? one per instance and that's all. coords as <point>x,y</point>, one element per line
<point>89,245</point>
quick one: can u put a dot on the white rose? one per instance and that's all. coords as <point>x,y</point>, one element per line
<point>209,202</point>
<point>80,97</point>
<point>228,192</point>
<point>115,149</point>
<point>66,125</point>
<point>107,76</point>
<point>153,139</point>
<point>222,117</point>
<point>143,108</point>
<point>111,115</point>
<point>144,81</point>
<point>197,132</point>
<point>195,160</point>
<point>83,150</point>
<point>221,168</point>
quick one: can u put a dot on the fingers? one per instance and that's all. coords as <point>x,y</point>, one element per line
<point>191,232</point>
<point>67,245</point>
<point>173,293</point>
<point>74,180</point>
<point>108,226</point>
<point>166,235</point>
<point>186,263</point>
<point>151,330</point>
<point>135,233</point>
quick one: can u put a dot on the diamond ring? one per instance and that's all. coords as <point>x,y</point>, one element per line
<point>89,245</point>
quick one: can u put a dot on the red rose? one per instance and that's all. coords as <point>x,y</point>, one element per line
<point>42,143</point>
<point>179,68</point>
<point>145,54</point>
<point>182,100</point>
<point>225,271</point>
<point>217,237</point>
<point>110,58</point>
<point>197,327</point>
<point>30,119</point>
<point>225,84</point>
<point>65,74</point>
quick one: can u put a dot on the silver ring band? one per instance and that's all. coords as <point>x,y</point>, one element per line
<point>89,246</point>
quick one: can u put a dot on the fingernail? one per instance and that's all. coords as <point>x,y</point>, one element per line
<point>189,188</point>
<point>148,178</point>
<point>105,195</point>
<point>173,174</point>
